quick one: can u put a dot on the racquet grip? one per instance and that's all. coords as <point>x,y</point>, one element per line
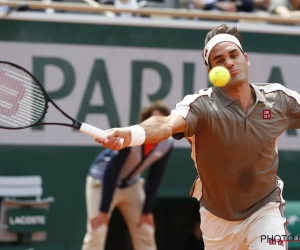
<point>94,132</point>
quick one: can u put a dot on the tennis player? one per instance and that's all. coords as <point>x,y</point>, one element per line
<point>233,131</point>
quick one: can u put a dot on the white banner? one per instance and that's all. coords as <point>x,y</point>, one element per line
<point>118,62</point>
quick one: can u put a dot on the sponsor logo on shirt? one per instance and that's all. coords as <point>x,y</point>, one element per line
<point>267,114</point>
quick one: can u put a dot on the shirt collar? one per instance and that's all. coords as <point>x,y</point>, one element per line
<point>259,95</point>
<point>226,99</point>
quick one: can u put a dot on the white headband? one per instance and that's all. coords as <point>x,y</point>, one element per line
<point>218,39</point>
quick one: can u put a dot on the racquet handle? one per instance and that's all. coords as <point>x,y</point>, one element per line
<point>94,132</point>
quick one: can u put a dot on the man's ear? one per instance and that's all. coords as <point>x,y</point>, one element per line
<point>208,69</point>
<point>247,58</point>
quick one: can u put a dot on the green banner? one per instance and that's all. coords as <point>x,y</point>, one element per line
<point>27,220</point>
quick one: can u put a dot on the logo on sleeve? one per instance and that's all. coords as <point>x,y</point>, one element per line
<point>267,114</point>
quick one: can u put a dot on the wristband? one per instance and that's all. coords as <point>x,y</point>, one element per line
<point>138,135</point>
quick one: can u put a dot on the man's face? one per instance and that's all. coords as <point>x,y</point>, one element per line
<point>229,55</point>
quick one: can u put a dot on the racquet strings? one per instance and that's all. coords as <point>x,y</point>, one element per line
<point>22,101</point>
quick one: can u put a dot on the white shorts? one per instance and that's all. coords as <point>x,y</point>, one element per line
<point>263,230</point>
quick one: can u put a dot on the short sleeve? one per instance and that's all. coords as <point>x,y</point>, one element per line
<point>293,108</point>
<point>191,108</point>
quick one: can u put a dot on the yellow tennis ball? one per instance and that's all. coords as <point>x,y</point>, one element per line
<point>219,76</point>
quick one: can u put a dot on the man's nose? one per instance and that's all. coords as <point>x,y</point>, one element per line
<point>228,63</point>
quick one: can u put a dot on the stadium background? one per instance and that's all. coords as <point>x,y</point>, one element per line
<point>103,72</point>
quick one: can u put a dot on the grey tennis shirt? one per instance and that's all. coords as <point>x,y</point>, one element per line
<point>235,152</point>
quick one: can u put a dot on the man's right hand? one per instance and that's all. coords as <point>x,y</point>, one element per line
<point>113,140</point>
<point>99,220</point>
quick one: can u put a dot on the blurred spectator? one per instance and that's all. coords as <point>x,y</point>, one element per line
<point>126,4</point>
<point>225,5</point>
<point>284,8</point>
<point>115,180</point>
<point>295,4</point>
<point>4,8</point>
<point>261,5</point>
<point>108,2</point>
<point>50,10</point>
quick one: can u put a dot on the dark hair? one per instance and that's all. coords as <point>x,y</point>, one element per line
<point>156,105</point>
<point>222,29</point>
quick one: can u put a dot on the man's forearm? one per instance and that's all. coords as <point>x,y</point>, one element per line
<point>157,128</point>
<point>153,130</point>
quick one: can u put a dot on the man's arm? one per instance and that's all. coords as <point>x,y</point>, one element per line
<point>156,129</point>
<point>159,128</point>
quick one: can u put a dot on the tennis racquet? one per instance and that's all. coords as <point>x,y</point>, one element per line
<point>24,102</point>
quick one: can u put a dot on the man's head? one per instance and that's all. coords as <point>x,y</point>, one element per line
<point>155,108</point>
<point>223,47</point>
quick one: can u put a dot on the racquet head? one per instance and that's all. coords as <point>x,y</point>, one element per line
<point>23,101</point>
